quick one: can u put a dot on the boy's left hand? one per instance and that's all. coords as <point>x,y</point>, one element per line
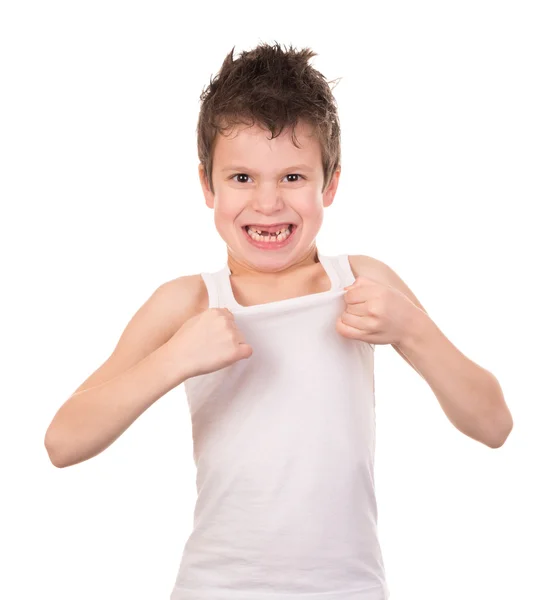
<point>376,313</point>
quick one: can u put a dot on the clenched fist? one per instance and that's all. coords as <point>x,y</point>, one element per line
<point>208,342</point>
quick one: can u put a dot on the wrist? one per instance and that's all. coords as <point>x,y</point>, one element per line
<point>419,327</point>
<point>174,366</point>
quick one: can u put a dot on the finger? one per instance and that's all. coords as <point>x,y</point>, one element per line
<point>355,321</point>
<point>359,308</point>
<point>355,296</point>
<point>350,331</point>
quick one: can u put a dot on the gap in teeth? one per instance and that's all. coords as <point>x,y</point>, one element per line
<point>278,236</point>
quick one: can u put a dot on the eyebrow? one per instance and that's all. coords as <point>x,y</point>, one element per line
<point>248,170</point>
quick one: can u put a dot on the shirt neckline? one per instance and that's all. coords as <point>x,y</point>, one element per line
<point>286,303</point>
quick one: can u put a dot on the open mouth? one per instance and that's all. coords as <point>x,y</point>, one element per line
<point>271,236</point>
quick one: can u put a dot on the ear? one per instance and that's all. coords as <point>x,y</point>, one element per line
<point>208,194</point>
<point>330,191</point>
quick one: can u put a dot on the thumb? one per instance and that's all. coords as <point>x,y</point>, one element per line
<point>245,350</point>
<point>350,286</point>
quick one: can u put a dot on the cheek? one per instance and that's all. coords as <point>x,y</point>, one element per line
<point>228,207</point>
<point>310,209</point>
<point>226,211</point>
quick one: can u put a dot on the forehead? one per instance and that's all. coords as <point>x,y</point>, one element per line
<point>253,146</point>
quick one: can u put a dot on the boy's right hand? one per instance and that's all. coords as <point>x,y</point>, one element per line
<point>208,342</point>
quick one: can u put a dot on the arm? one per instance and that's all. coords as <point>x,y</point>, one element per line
<point>470,396</point>
<point>92,419</point>
<point>142,368</point>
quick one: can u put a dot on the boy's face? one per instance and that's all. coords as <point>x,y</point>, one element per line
<point>257,181</point>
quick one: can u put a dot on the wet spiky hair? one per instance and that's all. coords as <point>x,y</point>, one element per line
<point>275,88</point>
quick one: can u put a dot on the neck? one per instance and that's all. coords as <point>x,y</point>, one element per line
<point>243,269</point>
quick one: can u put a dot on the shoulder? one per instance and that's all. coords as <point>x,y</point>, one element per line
<point>372,268</point>
<point>181,298</point>
<point>155,322</point>
<point>367,266</point>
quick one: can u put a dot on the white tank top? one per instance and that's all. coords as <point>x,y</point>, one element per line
<point>283,444</point>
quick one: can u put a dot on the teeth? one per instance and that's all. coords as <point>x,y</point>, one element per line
<point>274,237</point>
<point>260,230</point>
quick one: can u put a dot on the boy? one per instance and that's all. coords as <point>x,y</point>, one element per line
<point>276,354</point>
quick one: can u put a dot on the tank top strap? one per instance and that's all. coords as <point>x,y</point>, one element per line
<point>219,289</point>
<point>339,270</point>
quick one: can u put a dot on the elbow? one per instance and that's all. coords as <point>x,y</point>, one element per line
<point>500,436</point>
<point>65,451</point>
<point>500,420</point>
<point>54,453</point>
<point>498,443</point>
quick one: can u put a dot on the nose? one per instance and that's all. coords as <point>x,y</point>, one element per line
<point>267,199</point>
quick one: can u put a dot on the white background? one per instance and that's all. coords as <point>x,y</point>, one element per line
<point>445,129</point>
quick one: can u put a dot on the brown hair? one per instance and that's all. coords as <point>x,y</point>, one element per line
<point>277,89</point>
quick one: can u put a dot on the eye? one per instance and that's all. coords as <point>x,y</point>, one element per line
<point>289,175</point>
<point>239,175</point>
<point>295,175</point>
